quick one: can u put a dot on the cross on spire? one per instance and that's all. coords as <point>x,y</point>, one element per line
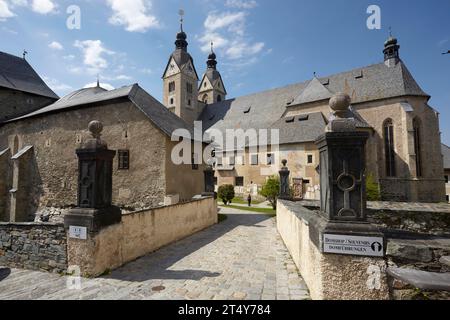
<point>212,47</point>
<point>181,13</point>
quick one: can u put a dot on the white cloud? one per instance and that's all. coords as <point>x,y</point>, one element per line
<point>146,71</point>
<point>106,86</point>
<point>69,57</point>
<point>229,33</point>
<point>241,49</point>
<point>93,54</point>
<point>56,85</point>
<point>241,4</point>
<point>133,14</point>
<point>5,11</point>
<point>234,22</point>
<point>43,6</point>
<point>55,45</point>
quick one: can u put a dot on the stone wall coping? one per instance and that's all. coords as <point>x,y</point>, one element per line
<point>2,152</point>
<point>394,207</point>
<point>149,210</point>
<point>31,224</point>
<point>319,225</point>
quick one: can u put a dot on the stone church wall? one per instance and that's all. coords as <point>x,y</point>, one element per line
<point>33,246</point>
<point>55,137</point>
<point>17,103</point>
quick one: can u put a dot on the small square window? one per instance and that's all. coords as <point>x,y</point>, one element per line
<point>270,159</point>
<point>254,160</point>
<point>239,181</point>
<point>172,86</point>
<point>124,159</point>
<point>310,159</point>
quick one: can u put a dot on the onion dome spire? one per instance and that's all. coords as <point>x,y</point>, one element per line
<point>391,49</point>
<point>181,42</point>
<point>212,62</point>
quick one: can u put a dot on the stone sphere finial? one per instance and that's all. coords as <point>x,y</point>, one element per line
<point>95,128</point>
<point>340,102</point>
<point>284,162</point>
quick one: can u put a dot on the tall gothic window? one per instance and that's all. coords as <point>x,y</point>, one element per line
<point>172,86</point>
<point>417,144</point>
<point>189,88</point>
<point>389,148</point>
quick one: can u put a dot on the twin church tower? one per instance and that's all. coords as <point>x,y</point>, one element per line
<point>182,95</point>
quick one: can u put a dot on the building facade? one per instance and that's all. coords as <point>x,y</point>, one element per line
<point>38,164</point>
<point>403,152</point>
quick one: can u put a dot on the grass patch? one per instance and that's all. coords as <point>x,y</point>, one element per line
<point>269,212</point>
<point>222,217</point>
<point>239,200</point>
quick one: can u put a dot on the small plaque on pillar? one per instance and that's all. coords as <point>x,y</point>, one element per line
<point>353,245</point>
<point>78,232</point>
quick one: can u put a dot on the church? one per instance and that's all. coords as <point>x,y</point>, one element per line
<point>39,133</point>
<point>403,153</point>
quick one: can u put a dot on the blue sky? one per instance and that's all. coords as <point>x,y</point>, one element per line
<point>261,44</point>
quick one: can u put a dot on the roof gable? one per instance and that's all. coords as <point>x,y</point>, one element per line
<point>446,155</point>
<point>314,91</point>
<point>158,114</point>
<point>181,58</point>
<point>17,74</point>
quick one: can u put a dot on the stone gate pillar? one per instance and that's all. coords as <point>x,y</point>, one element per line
<point>284,182</point>
<point>342,173</point>
<point>209,180</point>
<point>95,210</point>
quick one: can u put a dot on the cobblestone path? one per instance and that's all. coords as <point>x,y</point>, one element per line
<point>240,258</point>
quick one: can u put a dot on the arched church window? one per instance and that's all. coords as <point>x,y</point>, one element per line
<point>219,98</point>
<point>205,98</point>
<point>389,148</point>
<point>172,86</point>
<point>417,146</point>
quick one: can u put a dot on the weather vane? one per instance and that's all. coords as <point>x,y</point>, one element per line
<point>181,13</point>
<point>212,47</point>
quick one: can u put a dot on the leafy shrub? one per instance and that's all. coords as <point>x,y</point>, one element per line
<point>270,190</point>
<point>372,189</point>
<point>226,193</point>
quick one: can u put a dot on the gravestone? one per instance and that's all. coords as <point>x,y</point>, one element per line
<point>95,164</point>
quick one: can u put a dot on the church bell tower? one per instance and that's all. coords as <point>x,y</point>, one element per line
<point>211,88</point>
<point>180,80</point>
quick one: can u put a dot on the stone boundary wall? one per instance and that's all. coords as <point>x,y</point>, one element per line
<point>140,233</point>
<point>34,246</point>
<point>328,276</point>
<point>427,218</point>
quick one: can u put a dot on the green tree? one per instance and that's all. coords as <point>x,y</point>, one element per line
<point>226,193</point>
<point>372,189</point>
<point>270,190</point>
